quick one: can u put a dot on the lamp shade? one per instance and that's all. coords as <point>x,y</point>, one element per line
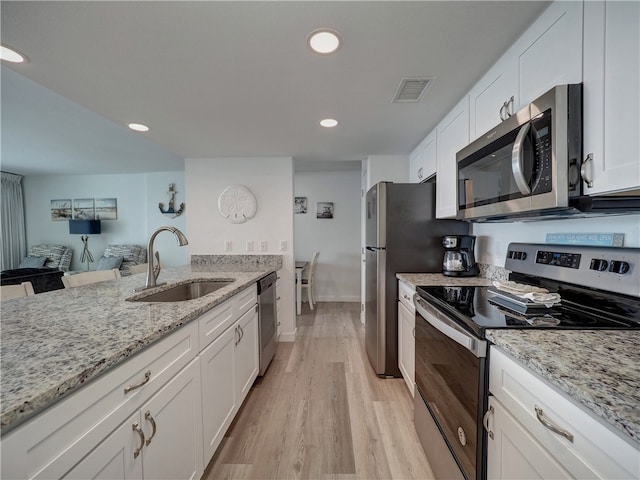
<point>84,227</point>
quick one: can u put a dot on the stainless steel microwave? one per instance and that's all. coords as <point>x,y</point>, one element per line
<point>528,163</point>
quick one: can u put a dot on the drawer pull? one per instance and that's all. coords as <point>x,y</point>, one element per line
<point>150,419</point>
<point>406,297</point>
<point>551,426</point>
<point>147,377</point>
<point>136,428</point>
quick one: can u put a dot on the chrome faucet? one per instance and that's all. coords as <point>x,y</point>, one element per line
<point>154,270</point>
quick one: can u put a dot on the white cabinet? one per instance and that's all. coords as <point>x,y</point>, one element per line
<point>161,441</point>
<point>536,430</point>
<point>549,53</point>
<point>406,339</point>
<point>452,136</point>
<point>229,366</point>
<point>423,159</point>
<point>611,95</point>
<point>513,453</point>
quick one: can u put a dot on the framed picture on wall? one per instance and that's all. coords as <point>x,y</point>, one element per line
<point>106,208</point>
<point>84,209</point>
<point>61,210</point>
<point>300,205</point>
<point>324,210</point>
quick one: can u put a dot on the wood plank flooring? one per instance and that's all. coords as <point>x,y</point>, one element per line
<point>321,413</point>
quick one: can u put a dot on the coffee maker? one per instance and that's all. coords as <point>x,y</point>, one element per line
<point>459,260</point>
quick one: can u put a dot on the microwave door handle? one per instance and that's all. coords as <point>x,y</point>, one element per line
<point>517,159</point>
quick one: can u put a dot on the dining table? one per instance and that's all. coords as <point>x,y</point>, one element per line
<point>301,266</point>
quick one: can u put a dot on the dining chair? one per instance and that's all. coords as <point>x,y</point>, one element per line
<point>308,282</point>
<point>86,278</point>
<point>9,292</point>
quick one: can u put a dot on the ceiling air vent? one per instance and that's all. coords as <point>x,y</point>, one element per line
<point>411,90</point>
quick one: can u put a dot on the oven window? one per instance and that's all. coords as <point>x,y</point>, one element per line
<point>448,376</point>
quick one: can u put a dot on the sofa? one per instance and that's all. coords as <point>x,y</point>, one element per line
<point>129,253</point>
<point>44,267</point>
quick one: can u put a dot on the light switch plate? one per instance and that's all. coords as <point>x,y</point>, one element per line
<point>249,245</point>
<point>228,246</point>
<point>264,246</point>
<point>283,245</point>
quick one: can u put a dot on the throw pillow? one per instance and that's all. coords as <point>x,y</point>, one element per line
<point>32,262</point>
<point>109,263</point>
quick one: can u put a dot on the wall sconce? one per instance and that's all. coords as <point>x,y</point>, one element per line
<point>84,228</point>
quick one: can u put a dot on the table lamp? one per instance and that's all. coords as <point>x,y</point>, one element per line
<point>84,228</point>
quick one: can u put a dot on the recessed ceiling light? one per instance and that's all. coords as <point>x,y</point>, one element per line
<point>138,127</point>
<point>11,55</point>
<point>324,41</point>
<point>328,122</point>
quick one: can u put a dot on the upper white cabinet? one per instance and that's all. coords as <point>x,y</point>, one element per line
<point>548,53</point>
<point>611,99</point>
<point>423,160</point>
<point>452,136</point>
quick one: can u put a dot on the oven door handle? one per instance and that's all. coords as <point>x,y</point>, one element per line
<point>449,328</point>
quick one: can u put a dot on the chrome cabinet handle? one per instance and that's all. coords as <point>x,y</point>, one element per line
<point>552,426</point>
<point>149,418</point>
<point>420,173</point>
<point>502,113</point>
<point>583,170</point>
<point>406,297</point>
<point>241,333</point>
<point>237,335</point>
<point>485,421</point>
<point>509,110</point>
<point>147,377</point>
<point>517,158</point>
<point>138,430</point>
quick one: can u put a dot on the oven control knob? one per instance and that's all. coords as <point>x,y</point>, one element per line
<point>617,266</point>
<point>462,437</point>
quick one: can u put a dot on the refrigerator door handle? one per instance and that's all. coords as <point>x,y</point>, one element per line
<point>375,249</point>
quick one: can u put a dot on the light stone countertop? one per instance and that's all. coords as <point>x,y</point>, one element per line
<point>437,279</point>
<point>55,342</point>
<point>599,369</point>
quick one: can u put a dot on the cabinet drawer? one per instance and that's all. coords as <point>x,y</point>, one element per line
<point>405,295</point>
<point>595,452</point>
<point>245,300</point>
<point>51,443</point>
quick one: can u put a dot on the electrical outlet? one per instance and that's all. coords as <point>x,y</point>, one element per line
<point>228,246</point>
<point>283,245</point>
<point>249,245</point>
<point>264,245</point>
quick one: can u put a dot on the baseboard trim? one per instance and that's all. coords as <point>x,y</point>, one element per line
<point>288,337</point>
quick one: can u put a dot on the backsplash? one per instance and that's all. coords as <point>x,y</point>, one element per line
<point>493,272</point>
<point>236,263</point>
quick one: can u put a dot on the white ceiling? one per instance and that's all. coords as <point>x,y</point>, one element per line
<point>234,79</point>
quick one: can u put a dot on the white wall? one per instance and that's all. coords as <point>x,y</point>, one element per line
<point>337,239</point>
<point>137,195</point>
<point>493,238</point>
<point>271,182</point>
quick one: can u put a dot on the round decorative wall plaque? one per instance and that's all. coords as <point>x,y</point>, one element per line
<point>237,204</point>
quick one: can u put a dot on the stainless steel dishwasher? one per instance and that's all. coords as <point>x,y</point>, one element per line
<point>267,319</point>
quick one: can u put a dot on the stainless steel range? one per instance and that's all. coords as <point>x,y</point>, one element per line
<point>597,287</point>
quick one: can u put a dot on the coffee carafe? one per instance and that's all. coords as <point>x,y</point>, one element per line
<point>459,260</point>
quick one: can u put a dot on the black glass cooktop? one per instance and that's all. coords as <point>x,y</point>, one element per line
<point>478,309</point>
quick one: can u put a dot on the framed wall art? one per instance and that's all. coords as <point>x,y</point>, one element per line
<point>106,208</point>
<point>324,210</point>
<point>61,210</point>
<point>300,205</point>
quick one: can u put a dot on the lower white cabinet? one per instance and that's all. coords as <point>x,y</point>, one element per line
<point>160,441</point>
<point>536,431</point>
<point>406,338</point>
<point>229,366</point>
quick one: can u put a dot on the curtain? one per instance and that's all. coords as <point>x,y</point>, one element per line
<point>13,237</point>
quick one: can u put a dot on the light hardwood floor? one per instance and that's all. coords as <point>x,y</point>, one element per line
<point>321,413</point>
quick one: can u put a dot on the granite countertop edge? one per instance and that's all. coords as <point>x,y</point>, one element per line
<point>23,399</point>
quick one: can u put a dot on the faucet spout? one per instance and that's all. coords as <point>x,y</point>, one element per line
<point>154,270</point>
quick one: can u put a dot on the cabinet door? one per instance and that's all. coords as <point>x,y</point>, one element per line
<point>415,166</point>
<point>492,96</point>
<point>246,354</point>
<point>513,453</point>
<point>218,390</point>
<point>113,458</point>
<point>550,52</point>
<point>172,424</point>
<point>452,136</point>
<point>611,98</point>
<point>429,156</point>
<point>406,346</point>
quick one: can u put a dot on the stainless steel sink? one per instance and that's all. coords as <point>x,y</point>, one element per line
<point>185,291</point>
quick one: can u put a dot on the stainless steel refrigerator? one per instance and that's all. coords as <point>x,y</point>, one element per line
<point>402,236</point>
